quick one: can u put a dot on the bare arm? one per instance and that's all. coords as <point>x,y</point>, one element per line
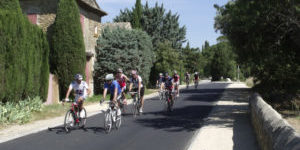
<point>115,94</point>
<point>130,87</point>
<point>68,92</point>
<point>104,93</point>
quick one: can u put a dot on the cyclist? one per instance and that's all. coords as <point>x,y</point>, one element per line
<point>136,84</point>
<point>81,90</point>
<point>196,78</point>
<point>122,78</point>
<point>176,82</point>
<point>160,80</point>
<point>187,78</point>
<point>114,89</point>
<point>168,84</point>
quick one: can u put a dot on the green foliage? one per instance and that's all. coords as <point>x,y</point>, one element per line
<point>219,60</point>
<point>193,60</point>
<point>24,68</point>
<point>19,112</point>
<point>137,15</point>
<point>161,26</point>
<point>265,37</point>
<point>121,48</point>
<point>68,53</point>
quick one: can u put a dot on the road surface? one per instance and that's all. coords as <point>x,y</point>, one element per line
<point>154,130</point>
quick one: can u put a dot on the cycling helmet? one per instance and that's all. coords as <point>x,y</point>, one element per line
<point>109,77</point>
<point>175,72</point>
<point>133,72</point>
<point>160,74</point>
<point>166,74</point>
<point>120,70</point>
<point>196,72</point>
<point>78,77</point>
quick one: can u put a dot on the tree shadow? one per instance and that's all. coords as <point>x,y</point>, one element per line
<point>181,119</point>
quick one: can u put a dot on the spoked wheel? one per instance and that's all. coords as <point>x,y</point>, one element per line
<point>69,121</point>
<point>83,117</point>
<point>136,108</point>
<point>118,121</point>
<point>107,121</point>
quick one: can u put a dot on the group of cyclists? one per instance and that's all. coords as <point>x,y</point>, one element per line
<point>116,86</point>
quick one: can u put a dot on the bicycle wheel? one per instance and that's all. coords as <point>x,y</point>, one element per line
<point>82,118</point>
<point>69,121</point>
<point>118,121</point>
<point>107,121</point>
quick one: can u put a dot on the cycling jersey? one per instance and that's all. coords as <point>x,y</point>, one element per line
<point>168,83</point>
<point>176,78</point>
<point>122,81</point>
<point>80,89</point>
<point>135,82</point>
<point>111,87</point>
<point>187,76</point>
<point>160,80</point>
<point>196,77</point>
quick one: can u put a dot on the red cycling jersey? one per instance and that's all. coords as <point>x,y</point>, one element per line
<point>122,81</point>
<point>176,78</point>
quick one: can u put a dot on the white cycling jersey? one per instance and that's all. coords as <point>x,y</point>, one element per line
<point>80,89</point>
<point>135,82</point>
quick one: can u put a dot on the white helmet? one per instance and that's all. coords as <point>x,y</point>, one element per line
<point>78,77</point>
<point>109,77</point>
<point>196,72</point>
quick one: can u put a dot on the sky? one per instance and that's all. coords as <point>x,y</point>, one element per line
<point>196,15</point>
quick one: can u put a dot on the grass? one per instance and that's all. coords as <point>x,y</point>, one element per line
<point>56,110</point>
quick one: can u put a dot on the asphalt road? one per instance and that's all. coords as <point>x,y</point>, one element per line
<point>154,130</point>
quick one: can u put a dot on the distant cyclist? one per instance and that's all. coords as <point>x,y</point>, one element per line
<point>81,90</point>
<point>122,78</point>
<point>159,80</point>
<point>176,82</point>
<point>187,77</point>
<point>114,89</point>
<point>136,85</point>
<point>196,79</point>
<point>168,84</point>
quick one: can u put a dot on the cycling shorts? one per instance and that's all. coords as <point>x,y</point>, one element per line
<point>142,91</point>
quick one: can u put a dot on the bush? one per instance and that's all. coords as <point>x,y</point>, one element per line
<point>121,48</point>
<point>68,53</point>
<point>19,112</point>
<point>23,55</point>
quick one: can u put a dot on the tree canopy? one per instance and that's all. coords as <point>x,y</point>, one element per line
<point>122,48</point>
<point>68,54</point>
<point>265,36</point>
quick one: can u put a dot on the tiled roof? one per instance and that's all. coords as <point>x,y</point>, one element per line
<point>92,5</point>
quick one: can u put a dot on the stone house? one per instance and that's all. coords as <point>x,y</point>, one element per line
<point>43,13</point>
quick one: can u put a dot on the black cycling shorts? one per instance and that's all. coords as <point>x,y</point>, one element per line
<point>142,91</point>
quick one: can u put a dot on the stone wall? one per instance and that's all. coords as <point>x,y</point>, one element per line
<point>272,131</point>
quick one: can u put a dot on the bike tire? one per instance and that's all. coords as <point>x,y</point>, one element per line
<point>69,121</point>
<point>107,121</point>
<point>82,118</point>
<point>118,121</point>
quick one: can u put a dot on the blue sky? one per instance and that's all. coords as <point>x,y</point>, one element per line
<point>196,15</point>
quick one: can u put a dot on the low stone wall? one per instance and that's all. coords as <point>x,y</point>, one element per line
<point>272,131</point>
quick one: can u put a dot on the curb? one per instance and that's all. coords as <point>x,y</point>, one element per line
<point>272,131</point>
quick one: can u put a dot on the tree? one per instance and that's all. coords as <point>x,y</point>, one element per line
<point>68,53</point>
<point>24,55</point>
<point>265,38</point>
<point>161,26</point>
<point>122,48</point>
<point>137,15</point>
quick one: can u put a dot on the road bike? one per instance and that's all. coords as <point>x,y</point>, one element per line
<point>196,83</point>
<point>136,103</point>
<point>187,81</point>
<point>111,117</point>
<point>170,97</point>
<point>73,117</point>
<point>161,94</point>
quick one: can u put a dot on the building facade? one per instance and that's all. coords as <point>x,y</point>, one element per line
<point>43,14</point>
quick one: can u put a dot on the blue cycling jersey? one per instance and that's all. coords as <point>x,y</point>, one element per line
<point>111,87</point>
